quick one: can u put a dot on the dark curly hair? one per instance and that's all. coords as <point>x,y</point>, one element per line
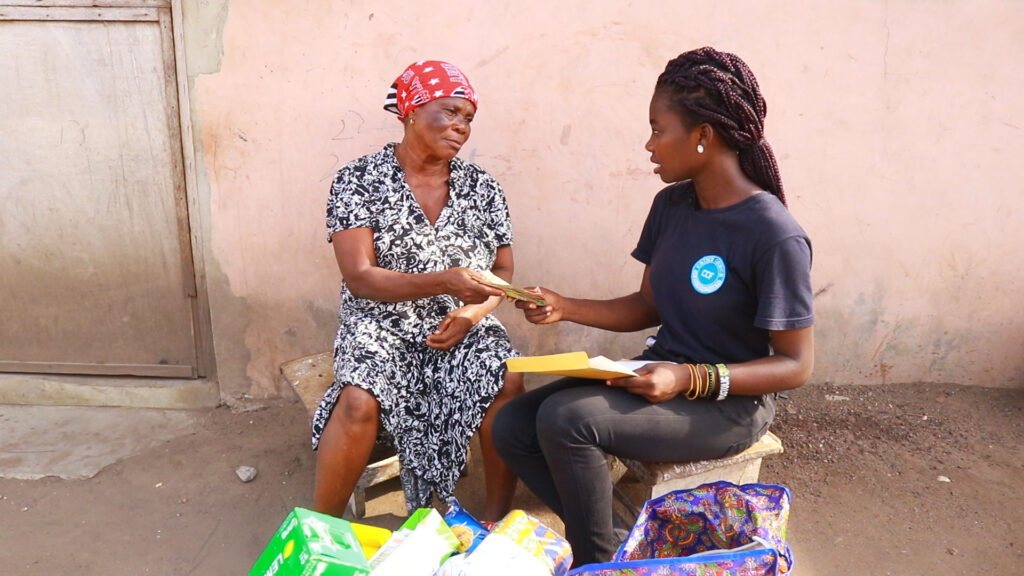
<point>717,88</point>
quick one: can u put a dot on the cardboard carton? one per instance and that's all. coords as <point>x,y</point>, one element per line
<point>312,544</point>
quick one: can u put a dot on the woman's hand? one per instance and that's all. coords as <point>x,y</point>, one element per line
<point>453,328</point>
<point>628,313</point>
<point>465,285</point>
<point>656,382</point>
<point>548,314</point>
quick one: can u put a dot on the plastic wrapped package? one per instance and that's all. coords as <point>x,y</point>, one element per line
<point>418,548</point>
<point>467,529</point>
<point>457,565</point>
<point>519,545</point>
<point>537,539</point>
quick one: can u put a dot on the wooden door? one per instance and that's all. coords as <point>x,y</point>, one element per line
<point>96,270</point>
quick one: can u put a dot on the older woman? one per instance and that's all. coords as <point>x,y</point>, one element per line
<point>417,349</point>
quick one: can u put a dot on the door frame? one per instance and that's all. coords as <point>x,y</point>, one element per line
<point>168,15</point>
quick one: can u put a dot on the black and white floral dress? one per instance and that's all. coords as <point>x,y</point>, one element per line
<point>431,401</point>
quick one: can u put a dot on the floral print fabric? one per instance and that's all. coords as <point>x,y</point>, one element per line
<point>719,516</point>
<point>431,401</point>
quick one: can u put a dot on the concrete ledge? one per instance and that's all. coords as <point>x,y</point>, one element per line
<point>76,442</point>
<point>50,390</point>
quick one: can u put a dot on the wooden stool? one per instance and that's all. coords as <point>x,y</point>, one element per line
<point>661,477</point>
<point>310,377</point>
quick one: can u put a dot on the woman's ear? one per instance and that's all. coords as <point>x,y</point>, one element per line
<point>707,134</point>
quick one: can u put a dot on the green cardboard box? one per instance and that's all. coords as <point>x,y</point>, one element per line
<point>309,543</point>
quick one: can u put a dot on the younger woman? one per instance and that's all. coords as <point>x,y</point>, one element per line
<point>727,278</point>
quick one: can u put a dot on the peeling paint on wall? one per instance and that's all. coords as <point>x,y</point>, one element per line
<point>204,35</point>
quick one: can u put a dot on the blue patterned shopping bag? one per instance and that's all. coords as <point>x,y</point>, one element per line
<point>719,529</point>
<point>762,562</point>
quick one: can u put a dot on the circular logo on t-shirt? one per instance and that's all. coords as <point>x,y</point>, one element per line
<point>708,274</point>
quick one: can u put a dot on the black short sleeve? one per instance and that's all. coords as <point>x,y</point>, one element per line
<point>785,300</point>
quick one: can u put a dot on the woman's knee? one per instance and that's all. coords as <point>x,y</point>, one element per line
<point>513,385</point>
<point>356,407</point>
<point>563,418</point>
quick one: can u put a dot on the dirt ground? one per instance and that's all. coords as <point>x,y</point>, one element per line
<point>895,479</point>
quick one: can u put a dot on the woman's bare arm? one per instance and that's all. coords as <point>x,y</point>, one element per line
<point>789,367</point>
<point>457,323</point>
<point>353,249</point>
<point>625,314</point>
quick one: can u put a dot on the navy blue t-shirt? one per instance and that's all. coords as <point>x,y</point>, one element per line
<point>723,278</point>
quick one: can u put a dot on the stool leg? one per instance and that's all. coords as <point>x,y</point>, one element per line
<point>356,507</point>
<point>624,512</point>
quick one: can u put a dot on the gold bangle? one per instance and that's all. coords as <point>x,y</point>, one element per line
<point>700,391</point>
<point>700,383</point>
<point>707,384</point>
<point>693,374</point>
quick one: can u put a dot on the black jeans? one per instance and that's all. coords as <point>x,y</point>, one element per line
<point>555,438</point>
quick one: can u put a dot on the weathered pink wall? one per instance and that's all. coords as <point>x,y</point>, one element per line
<point>898,127</point>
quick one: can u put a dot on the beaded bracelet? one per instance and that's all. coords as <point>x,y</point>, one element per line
<point>712,381</point>
<point>716,382</point>
<point>723,378</point>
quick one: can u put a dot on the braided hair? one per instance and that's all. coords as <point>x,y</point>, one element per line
<point>717,88</point>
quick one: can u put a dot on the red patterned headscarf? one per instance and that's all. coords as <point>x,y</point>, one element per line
<point>425,81</point>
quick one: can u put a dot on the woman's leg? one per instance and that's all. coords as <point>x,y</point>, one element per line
<point>577,427</point>
<point>515,438</point>
<point>499,478</point>
<point>344,449</point>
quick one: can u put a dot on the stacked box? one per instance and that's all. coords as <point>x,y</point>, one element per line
<point>309,543</point>
<point>371,538</point>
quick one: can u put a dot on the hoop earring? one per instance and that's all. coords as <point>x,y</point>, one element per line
<point>700,148</point>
